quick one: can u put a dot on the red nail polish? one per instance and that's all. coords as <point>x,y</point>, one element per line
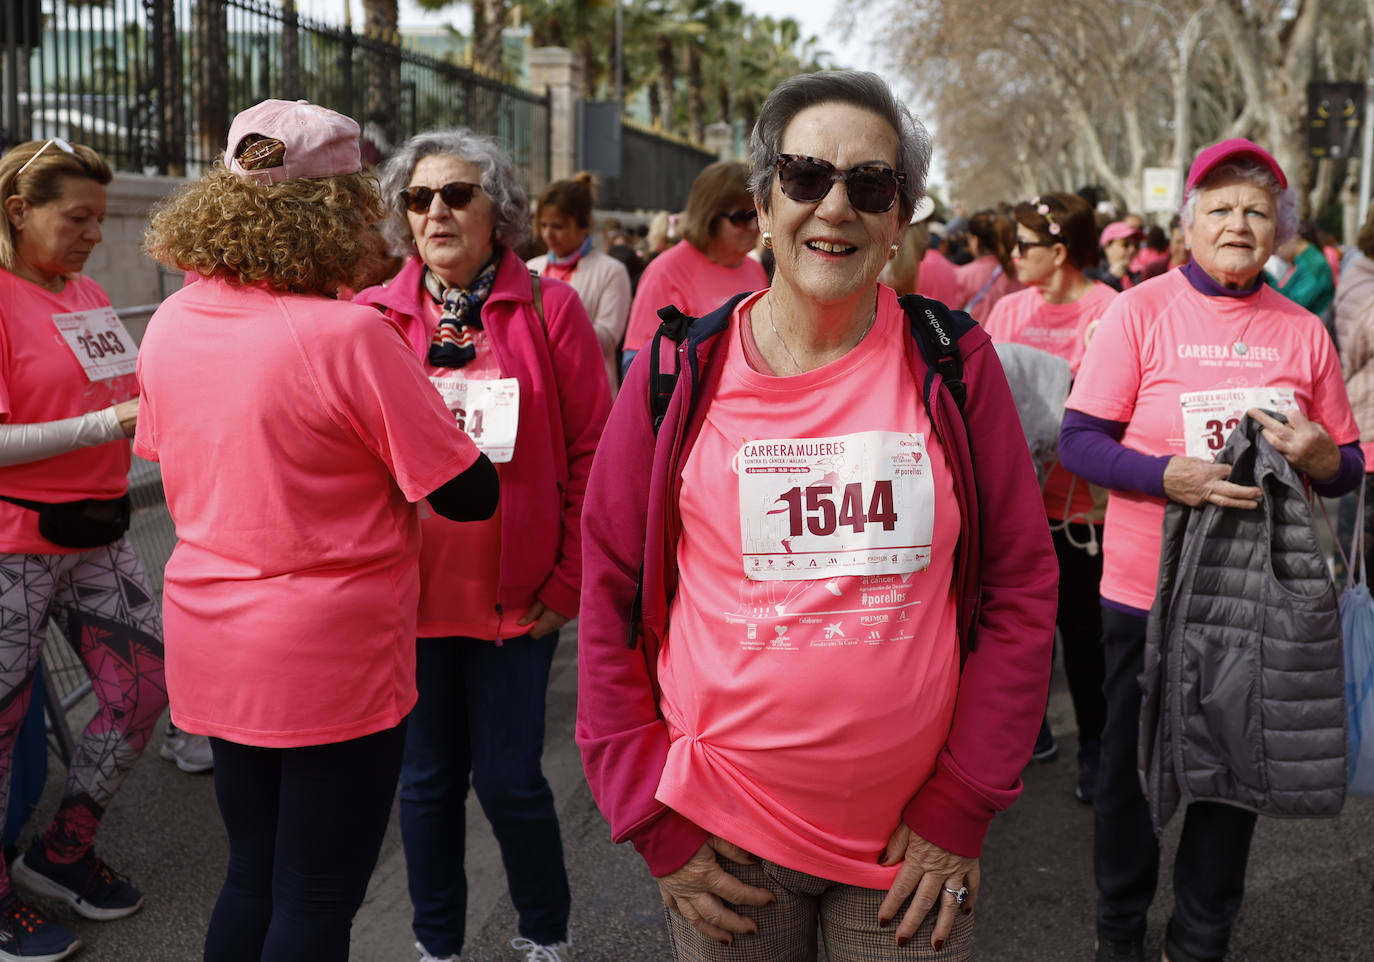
<point>938,944</point>
<point>724,942</point>
<point>884,923</point>
<point>967,909</point>
<point>902,940</point>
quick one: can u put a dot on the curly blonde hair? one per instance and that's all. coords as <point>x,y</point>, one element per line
<point>304,235</point>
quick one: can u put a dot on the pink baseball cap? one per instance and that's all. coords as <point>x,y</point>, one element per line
<point>319,142</point>
<point>1116,230</point>
<point>1217,154</point>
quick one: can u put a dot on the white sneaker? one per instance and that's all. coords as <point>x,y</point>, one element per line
<point>191,752</point>
<point>426,957</point>
<point>558,952</point>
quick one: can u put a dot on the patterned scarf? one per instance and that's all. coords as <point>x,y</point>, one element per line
<point>454,342</point>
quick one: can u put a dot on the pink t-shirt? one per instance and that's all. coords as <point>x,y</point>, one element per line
<point>1062,330</point>
<point>1163,340</point>
<point>460,562</point>
<point>686,278</point>
<point>294,432</point>
<point>977,283</point>
<point>770,683</point>
<point>936,279</point>
<point>41,379</point>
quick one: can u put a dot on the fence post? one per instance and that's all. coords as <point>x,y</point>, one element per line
<point>560,72</point>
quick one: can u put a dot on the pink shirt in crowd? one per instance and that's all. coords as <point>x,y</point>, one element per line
<point>686,278</point>
<point>748,659</point>
<point>1164,339</point>
<point>936,279</point>
<point>1062,330</point>
<point>42,380</point>
<point>294,432</point>
<point>973,279</point>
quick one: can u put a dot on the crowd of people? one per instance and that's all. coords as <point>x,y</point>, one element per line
<point>781,472</point>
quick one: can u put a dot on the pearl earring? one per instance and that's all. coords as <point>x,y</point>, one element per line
<point>768,240</point>
<point>892,252</point>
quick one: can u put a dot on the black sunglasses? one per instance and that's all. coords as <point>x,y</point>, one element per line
<point>456,195</point>
<point>744,215</point>
<point>1024,245</point>
<point>871,188</point>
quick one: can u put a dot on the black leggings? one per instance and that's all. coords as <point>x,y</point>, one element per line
<point>305,826</point>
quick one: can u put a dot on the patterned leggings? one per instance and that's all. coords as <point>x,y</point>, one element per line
<point>102,602</point>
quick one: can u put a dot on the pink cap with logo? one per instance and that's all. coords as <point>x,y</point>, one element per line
<point>1217,154</point>
<point>319,142</point>
<point>1118,230</point>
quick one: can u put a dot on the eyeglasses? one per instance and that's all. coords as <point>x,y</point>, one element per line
<point>456,195</point>
<point>872,188</point>
<point>743,216</point>
<point>1022,246</point>
<point>57,142</point>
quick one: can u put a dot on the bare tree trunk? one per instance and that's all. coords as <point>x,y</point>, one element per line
<point>696,110</point>
<point>381,46</point>
<point>292,88</point>
<point>488,21</point>
<point>210,77</point>
<point>667,81</point>
<point>173,89</point>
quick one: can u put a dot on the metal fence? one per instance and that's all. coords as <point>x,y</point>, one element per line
<point>153,84</point>
<point>656,173</point>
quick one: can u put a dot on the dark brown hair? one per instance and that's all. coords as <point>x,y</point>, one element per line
<point>575,197</point>
<point>1077,227</point>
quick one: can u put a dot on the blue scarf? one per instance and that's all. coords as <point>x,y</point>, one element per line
<point>575,256</point>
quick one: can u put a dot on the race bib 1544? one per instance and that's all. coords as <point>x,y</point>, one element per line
<point>856,504</point>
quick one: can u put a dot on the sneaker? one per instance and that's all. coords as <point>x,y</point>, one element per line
<point>534,952</point>
<point>426,957</point>
<point>1046,748</point>
<point>1089,759</point>
<point>1110,950</point>
<point>88,885</point>
<point>26,935</point>
<point>191,752</point>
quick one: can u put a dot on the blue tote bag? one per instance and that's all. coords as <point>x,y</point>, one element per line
<point>1357,632</point>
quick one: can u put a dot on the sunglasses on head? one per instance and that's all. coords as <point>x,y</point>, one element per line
<point>456,195</point>
<point>872,188</point>
<point>1022,246</point>
<point>742,217</point>
<point>57,142</point>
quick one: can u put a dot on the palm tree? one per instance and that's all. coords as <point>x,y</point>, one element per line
<point>210,76</point>
<point>381,45</point>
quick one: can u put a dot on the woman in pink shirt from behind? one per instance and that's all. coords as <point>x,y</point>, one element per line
<point>296,434</point>
<point>1056,238</point>
<point>710,264</point>
<point>918,268</point>
<point>829,688</point>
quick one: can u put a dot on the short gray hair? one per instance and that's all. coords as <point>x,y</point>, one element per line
<point>857,88</point>
<point>510,202</point>
<point>1285,200</point>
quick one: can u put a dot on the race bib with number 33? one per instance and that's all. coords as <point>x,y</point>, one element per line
<point>1209,417</point>
<point>856,504</point>
<point>99,341</point>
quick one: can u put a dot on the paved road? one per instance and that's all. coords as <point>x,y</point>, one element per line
<point>1311,883</point>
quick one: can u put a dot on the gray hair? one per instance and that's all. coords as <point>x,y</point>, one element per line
<point>1285,201</point>
<point>857,88</point>
<point>510,202</point>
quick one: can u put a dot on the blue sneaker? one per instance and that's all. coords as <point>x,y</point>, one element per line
<point>26,935</point>
<point>88,885</point>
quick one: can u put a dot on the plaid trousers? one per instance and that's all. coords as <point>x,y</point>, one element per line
<point>844,916</point>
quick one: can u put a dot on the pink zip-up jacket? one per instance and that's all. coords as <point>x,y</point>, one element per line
<point>564,399</point>
<point>1006,577</point>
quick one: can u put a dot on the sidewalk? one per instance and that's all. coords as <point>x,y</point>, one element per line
<point>1311,883</point>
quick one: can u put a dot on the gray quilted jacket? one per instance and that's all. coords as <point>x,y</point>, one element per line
<point>1244,686</point>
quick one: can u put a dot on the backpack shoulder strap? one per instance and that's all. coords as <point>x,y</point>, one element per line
<point>538,294</point>
<point>937,330</point>
<point>673,325</point>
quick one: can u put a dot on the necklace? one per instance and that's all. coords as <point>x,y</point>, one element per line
<point>793,358</point>
<point>1239,346</point>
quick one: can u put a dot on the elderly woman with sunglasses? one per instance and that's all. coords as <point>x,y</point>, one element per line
<point>517,361</point>
<point>68,404</point>
<point>830,688</point>
<point>719,229</point>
